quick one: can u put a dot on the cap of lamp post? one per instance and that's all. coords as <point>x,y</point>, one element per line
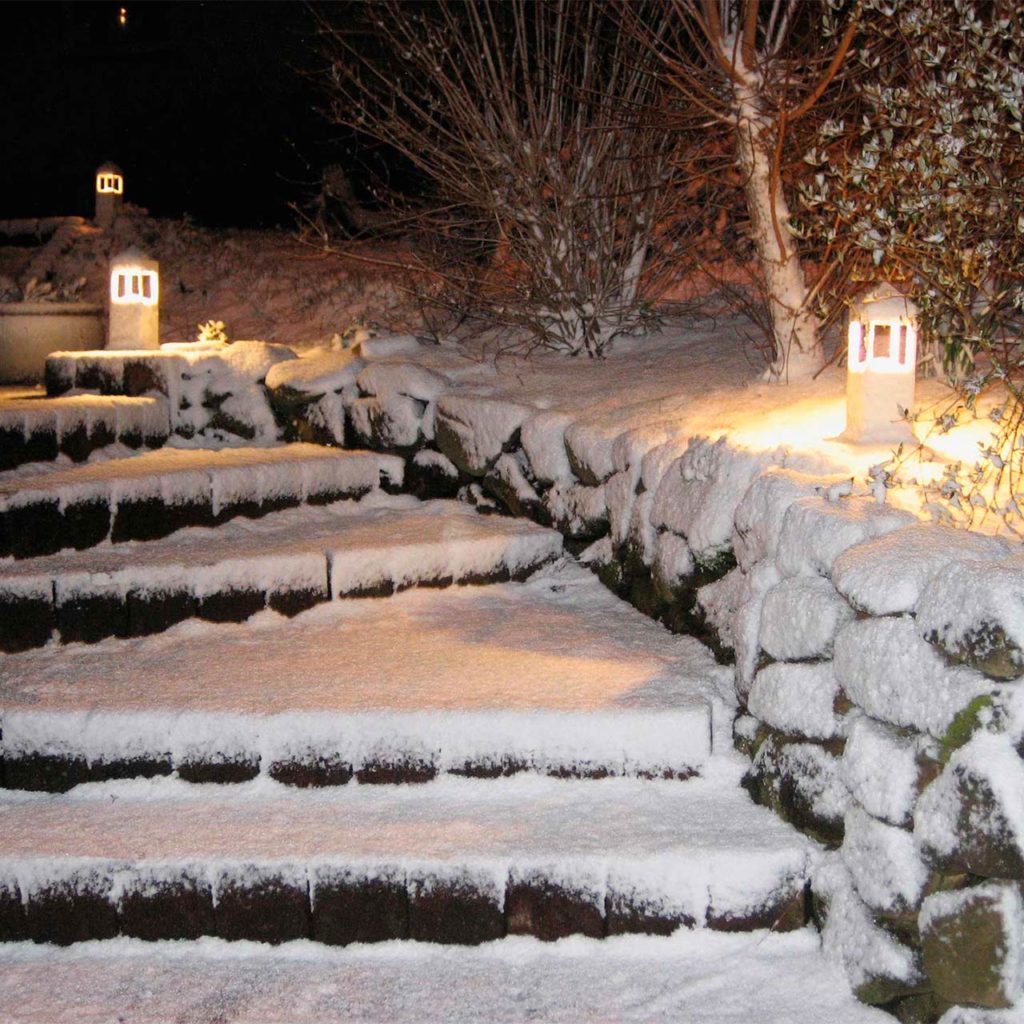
<point>134,309</point>
<point>109,194</point>
<point>881,367</point>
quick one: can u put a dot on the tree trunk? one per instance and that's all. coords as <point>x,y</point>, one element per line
<point>798,351</point>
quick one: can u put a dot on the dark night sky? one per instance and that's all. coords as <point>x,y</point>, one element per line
<point>199,103</point>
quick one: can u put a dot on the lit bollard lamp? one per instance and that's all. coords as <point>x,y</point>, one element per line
<point>134,314</point>
<point>109,194</point>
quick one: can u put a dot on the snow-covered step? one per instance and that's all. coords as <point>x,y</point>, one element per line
<point>690,977</point>
<point>155,493</point>
<point>288,561</point>
<point>555,676</point>
<point>462,861</point>
<point>38,429</point>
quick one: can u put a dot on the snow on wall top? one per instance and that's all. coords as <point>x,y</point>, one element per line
<point>316,370</point>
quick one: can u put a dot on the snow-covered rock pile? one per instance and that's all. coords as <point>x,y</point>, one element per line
<point>214,389</point>
<point>876,661</point>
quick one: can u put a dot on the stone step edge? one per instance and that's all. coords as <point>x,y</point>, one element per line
<point>45,441</point>
<point>48,525</point>
<point>339,903</point>
<point>29,620</point>
<point>60,773</point>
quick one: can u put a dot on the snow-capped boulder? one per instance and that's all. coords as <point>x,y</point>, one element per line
<point>972,817</point>
<point>974,611</point>
<point>577,511</point>
<point>800,618</point>
<point>589,448</point>
<point>972,944</point>
<point>885,668</point>
<point>884,863</point>
<point>816,531</point>
<point>798,700</point>
<point>881,770</point>
<point>389,422</point>
<point>886,575</point>
<point>474,430</point>
<point>543,439</point>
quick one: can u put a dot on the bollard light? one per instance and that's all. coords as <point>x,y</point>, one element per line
<point>134,320</point>
<point>881,367</point>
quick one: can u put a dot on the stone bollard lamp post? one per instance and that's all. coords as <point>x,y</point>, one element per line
<point>134,321</point>
<point>881,365</point>
<point>109,194</point>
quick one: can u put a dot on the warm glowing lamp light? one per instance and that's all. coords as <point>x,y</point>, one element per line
<point>109,194</point>
<point>134,320</point>
<point>881,364</point>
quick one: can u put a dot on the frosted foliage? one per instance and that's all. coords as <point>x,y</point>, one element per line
<point>888,670</point>
<point>850,936</point>
<point>761,511</point>
<point>591,446</point>
<point>543,440</point>
<point>483,425</point>
<point>883,861</point>
<point>720,600</point>
<point>404,379</point>
<point>673,561</point>
<point>991,759</point>
<point>880,770</point>
<point>316,370</point>
<point>969,595</point>
<point>1005,901</point>
<point>698,497</point>
<point>885,575</point>
<point>796,699</point>
<point>620,495</point>
<point>800,618</point>
<point>815,531</point>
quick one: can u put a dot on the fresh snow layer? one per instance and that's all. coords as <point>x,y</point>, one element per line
<point>557,667</point>
<point>689,978</point>
<point>380,539</point>
<point>148,415</point>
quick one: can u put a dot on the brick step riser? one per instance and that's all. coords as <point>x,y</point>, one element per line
<point>33,620</point>
<point>17,449</point>
<point>340,908</point>
<point>49,773</point>
<point>43,528</point>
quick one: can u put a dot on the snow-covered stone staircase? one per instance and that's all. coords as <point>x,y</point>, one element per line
<point>238,705</point>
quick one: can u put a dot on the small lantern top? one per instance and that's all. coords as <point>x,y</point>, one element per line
<point>134,279</point>
<point>109,179</point>
<point>886,302</point>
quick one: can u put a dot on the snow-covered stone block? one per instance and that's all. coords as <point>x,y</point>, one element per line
<point>885,668</point>
<point>316,372</point>
<point>746,625</point>
<point>407,379</point>
<point>658,460</point>
<point>388,421</point>
<point>886,575</point>
<point>884,863</point>
<point>620,496</point>
<point>800,618</point>
<point>432,475</point>
<point>543,439</point>
<point>975,612</point>
<point>508,482</point>
<point>589,447</point>
<point>816,531</point>
<point>879,968</point>
<point>880,768</point>
<point>762,509</point>
<point>800,782</point>
<point>719,601</point>
<point>577,511</point>
<point>474,430</point>
<point>971,818</point>
<point>673,562</point>
<point>385,346</point>
<point>973,944</point>
<point>699,495</point>
<point>797,699</point>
